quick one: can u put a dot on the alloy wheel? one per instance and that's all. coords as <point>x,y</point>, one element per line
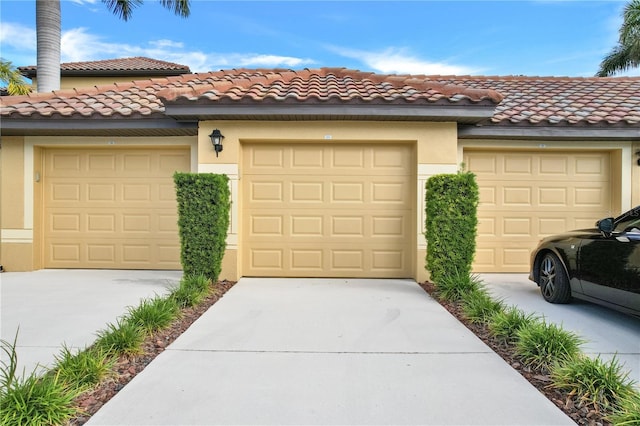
<point>547,277</point>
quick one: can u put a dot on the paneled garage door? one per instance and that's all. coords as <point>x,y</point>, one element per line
<point>327,210</point>
<point>525,196</point>
<point>111,208</point>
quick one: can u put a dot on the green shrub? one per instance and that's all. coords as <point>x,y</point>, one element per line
<point>35,401</point>
<point>628,411</point>
<point>453,286</point>
<point>191,291</point>
<point>198,283</point>
<point>31,400</point>
<point>123,338</point>
<point>186,297</point>
<point>540,345</point>
<point>85,368</point>
<point>506,324</point>
<point>599,383</point>
<point>154,314</point>
<point>451,223</point>
<point>479,307</point>
<point>203,221</point>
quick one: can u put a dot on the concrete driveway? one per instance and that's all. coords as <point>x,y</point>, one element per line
<point>607,332</point>
<point>328,352</point>
<point>52,307</point>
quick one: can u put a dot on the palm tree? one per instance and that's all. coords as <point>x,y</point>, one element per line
<point>10,76</point>
<point>626,54</point>
<point>48,33</point>
<point>48,37</point>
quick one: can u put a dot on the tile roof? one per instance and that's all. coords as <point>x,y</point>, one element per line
<point>553,100</point>
<point>148,97</point>
<point>321,85</point>
<point>127,100</point>
<point>137,64</point>
<point>517,100</point>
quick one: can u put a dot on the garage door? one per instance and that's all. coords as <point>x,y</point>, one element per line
<point>327,210</point>
<point>111,208</point>
<point>525,196</point>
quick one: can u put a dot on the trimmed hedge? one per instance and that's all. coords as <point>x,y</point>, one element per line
<point>451,223</point>
<point>203,221</point>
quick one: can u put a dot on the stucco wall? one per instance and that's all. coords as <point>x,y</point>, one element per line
<point>436,152</point>
<point>16,233</point>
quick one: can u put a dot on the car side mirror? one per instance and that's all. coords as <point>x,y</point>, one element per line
<point>605,225</point>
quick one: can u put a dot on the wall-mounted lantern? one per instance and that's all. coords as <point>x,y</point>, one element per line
<point>216,140</point>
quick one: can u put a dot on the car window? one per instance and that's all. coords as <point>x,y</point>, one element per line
<point>631,224</point>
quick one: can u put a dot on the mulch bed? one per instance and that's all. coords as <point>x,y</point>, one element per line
<point>128,367</point>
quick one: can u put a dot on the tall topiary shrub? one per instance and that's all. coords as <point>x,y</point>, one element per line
<point>451,223</point>
<point>203,220</point>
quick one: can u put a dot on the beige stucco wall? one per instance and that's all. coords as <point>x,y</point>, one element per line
<point>16,233</point>
<point>436,152</point>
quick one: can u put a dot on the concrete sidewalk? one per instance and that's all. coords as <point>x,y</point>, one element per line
<point>55,307</point>
<point>328,352</point>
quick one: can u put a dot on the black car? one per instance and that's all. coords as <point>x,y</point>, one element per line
<point>600,265</point>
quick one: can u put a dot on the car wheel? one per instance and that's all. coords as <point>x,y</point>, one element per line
<point>554,284</point>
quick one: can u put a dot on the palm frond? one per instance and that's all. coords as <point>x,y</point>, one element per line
<point>627,53</point>
<point>630,29</point>
<point>123,9</point>
<point>618,60</point>
<point>179,7</point>
<point>16,85</point>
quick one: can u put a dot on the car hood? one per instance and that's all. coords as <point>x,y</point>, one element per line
<point>578,233</point>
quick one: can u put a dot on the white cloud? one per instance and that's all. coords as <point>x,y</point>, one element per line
<point>217,61</point>
<point>18,36</point>
<point>271,61</point>
<point>78,44</point>
<point>165,44</point>
<point>400,61</point>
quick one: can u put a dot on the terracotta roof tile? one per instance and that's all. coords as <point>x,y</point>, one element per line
<point>326,84</point>
<point>116,66</point>
<point>540,100</point>
<point>518,100</point>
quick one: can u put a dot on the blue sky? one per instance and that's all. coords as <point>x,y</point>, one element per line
<point>535,38</point>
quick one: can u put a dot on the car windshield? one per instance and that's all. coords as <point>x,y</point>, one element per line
<point>631,224</point>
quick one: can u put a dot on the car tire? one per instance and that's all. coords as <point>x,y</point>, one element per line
<point>553,281</point>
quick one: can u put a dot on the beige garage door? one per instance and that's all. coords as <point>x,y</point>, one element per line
<point>111,208</point>
<point>525,196</point>
<point>327,210</point>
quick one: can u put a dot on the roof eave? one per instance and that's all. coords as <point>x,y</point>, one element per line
<point>468,114</point>
<point>549,132</point>
<point>113,127</point>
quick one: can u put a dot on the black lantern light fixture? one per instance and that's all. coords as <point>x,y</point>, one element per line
<point>216,140</point>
